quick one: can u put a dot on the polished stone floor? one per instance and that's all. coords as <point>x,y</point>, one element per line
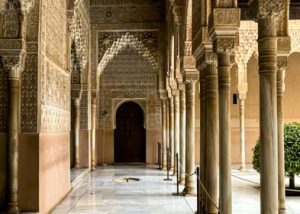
<point>99,193</point>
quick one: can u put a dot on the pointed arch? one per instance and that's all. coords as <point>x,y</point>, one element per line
<point>119,45</point>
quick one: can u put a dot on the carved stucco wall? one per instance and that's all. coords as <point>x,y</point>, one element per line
<point>4,99</point>
<point>129,76</point>
<point>55,79</point>
<point>126,11</point>
<point>121,16</point>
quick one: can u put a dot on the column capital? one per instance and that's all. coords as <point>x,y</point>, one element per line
<point>181,87</point>
<point>13,64</point>
<point>284,45</point>
<point>242,95</point>
<point>191,77</point>
<point>163,94</point>
<point>175,92</point>
<point>223,28</point>
<point>75,95</point>
<point>282,62</point>
<point>267,8</point>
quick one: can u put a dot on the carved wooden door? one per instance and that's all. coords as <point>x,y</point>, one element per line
<point>130,134</point>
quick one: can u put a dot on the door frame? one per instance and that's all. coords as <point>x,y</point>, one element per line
<point>117,103</point>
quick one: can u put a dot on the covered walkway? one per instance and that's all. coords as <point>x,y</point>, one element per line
<point>99,193</point>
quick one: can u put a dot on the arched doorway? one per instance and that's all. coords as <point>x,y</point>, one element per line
<point>130,134</point>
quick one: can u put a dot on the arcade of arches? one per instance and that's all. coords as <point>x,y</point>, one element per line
<point>91,82</point>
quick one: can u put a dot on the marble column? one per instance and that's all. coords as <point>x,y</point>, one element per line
<point>242,133</point>
<point>211,124</point>
<point>225,132</point>
<point>76,105</point>
<point>168,126</point>
<point>190,181</point>
<point>267,48</point>
<point>13,142</point>
<point>202,137</point>
<point>164,133</point>
<point>93,147</point>
<point>182,134</point>
<point>171,132</point>
<point>282,61</point>
<point>176,125</point>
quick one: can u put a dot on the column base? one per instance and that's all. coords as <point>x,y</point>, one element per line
<point>93,168</point>
<point>12,208</point>
<point>181,181</point>
<point>282,211</point>
<point>243,169</point>
<point>189,191</point>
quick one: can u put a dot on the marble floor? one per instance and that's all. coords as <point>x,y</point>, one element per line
<point>99,193</point>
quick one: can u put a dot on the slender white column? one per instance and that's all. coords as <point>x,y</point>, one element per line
<point>242,134</point>
<point>203,137</point>
<point>282,61</point>
<point>171,132</point>
<point>164,133</point>
<point>13,143</point>
<point>225,132</point>
<point>190,181</point>
<point>76,104</point>
<point>93,147</point>
<point>176,125</point>
<point>211,125</point>
<point>182,134</point>
<point>267,48</point>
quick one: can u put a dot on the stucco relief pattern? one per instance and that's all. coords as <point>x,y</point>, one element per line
<point>128,76</point>
<point>29,77</point>
<point>144,11</point>
<point>55,81</point>
<point>4,99</point>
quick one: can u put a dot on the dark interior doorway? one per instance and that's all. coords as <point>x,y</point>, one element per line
<point>130,134</point>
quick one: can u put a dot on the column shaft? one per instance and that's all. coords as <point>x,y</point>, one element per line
<point>76,130</point>
<point>182,135</point>
<point>211,137</point>
<point>225,132</point>
<point>190,181</point>
<point>281,166</point>
<point>242,135</point>
<point>171,132</point>
<point>267,47</point>
<point>176,126</point>
<point>202,137</point>
<point>93,147</point>
<point>13,144</point>
<point>164,134</point>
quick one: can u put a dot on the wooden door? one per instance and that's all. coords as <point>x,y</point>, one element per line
<point>130,134</point>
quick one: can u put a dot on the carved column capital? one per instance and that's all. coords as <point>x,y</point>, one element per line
<point>163,94</point>
<point>188,48</point>
<point>76,95</point>
<point>284,45</point>
<point>13,64</point>
<point>282,62</point>
<point>175,92</point>
<point>191,77</point>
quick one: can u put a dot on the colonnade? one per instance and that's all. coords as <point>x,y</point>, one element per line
<point>214,63</point>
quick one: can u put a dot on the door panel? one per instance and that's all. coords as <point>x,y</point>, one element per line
<point>130,135</point>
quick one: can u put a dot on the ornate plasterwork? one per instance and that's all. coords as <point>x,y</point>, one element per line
<point>111,43</point>
<point>128,76</point>
<point>138,11</point>
<point>294,31</point>
<point>54,77</point>
<point>4,98</point>
<point>247,42</point>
